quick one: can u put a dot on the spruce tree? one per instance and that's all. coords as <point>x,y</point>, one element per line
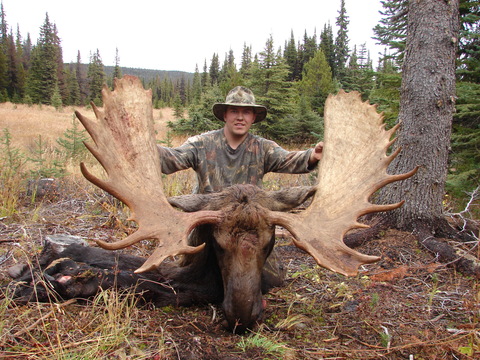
<point>392,30</point>
<point>469,50</point>
<point>246,60</point>
<point>214,70</point>
<point>290,55</point>
<point>272,89</point>
<point>341,42</point>
<point>43,77</point>
<point>327,46</point>
<point>73,88</point>
<point>96,78</point>
<point>117,72</point>
<point>316,81</point>
<point>72,141</point>
<point>81,76</point>
<point>205,76</point>
<point>197,86</point>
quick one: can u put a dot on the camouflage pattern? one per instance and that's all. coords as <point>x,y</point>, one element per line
<point>218,165</point>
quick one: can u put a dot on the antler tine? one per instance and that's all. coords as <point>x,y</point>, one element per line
<point>124,144</point>
<point>353,167</point>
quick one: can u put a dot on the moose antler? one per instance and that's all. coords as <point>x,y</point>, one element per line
<point>124,144</point>
<point>353,167</point>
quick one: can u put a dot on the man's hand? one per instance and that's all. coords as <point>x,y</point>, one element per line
<point>316,154</point>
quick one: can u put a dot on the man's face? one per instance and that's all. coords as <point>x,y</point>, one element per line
<point>239,119</point>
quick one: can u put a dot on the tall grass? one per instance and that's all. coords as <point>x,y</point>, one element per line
<point>107,327</point>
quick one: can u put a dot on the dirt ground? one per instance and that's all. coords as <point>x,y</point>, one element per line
<point>406,306</point>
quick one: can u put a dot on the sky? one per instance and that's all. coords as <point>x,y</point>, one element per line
<point>179,35</point>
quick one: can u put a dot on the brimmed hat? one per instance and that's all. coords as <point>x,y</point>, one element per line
<point>240,96</point>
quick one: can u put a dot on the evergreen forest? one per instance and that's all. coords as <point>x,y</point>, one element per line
<point>292,79</point>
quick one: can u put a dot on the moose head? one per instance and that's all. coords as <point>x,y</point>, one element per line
<point>239,222</point>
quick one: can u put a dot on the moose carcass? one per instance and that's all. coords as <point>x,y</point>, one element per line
<point>237,225</point>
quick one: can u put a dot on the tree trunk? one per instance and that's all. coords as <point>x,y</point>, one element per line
<point>426,108</point>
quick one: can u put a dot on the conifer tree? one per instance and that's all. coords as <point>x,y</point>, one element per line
<point>117,72</point>
<point>359,75</point>
<point>205,76</point>
<point>73,88</point>
<point>96,78</point>
<point>72,141</point>
<point>230,77</point>
<point>271,88</point>
<point>341,42</point>
<point>246,60</point>
<point>290,55</point>
<point>197,86</point>
<point>309,48</point>
<point>81,76</point>
<point>61,79</point>
<point>316,81</point>
<point>214,70</point>
<point>469,50</point>
<point>392,30</point>
<point>21,74</point>
<point>43,76</point>
<point>327,46</point>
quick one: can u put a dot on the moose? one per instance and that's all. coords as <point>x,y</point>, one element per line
<point>236,224</point>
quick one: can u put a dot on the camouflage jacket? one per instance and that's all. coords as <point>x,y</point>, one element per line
<point>218,165</point>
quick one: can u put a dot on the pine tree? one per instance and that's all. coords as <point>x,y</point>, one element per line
<point>21,74</point>
<point>359,75</point>
<point>246,60</point>
<point>96,78</point>
<point>117,72</point>
<point>464,163</point>
<point>290,55</point>
<point>205,76</point>
<point>327,46</point>
<point>316,81</point>
<point>271,88</point>
<point>392,30</point>
<point>72,141</point>
<point>197,86</point>
<point>43,76</point>
<point>341,42</point>
<point>214,70</point>
<point>73,88</point>
<point>469,49</point>
<point>230,77</point>
<point>81,79</point>
<point>61,78</point>
<point>309,48</point>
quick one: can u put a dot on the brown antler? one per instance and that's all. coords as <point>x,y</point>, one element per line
<point>353,167</point>
<point>124,143</point>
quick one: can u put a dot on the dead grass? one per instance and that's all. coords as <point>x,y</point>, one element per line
<point>25,122</point>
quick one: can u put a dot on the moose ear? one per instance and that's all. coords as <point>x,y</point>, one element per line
<point>288,198</point>
<point>198,202</point>
<point>190,203</point>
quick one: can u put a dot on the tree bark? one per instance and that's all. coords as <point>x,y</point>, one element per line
<point>426,109</point>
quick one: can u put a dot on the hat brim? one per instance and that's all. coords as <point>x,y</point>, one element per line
<point>219,110</point>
